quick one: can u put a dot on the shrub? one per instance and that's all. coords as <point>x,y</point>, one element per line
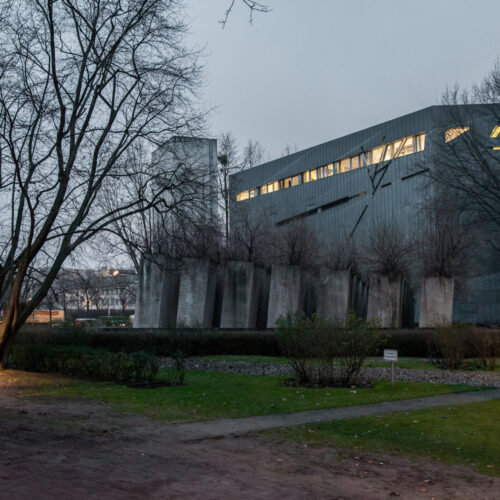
<point>179,367</point>
<point>324,353</point>
<point>301,340</point>
<point>447,346</point>
<point>486,347</point>
<point>357,340</point>
<point>85,362</point>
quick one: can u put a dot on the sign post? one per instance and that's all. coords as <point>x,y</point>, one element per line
<point>392,356</point>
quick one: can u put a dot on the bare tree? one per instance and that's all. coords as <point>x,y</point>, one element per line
<point>341,255</point>
<point>467,159</point>
<point>297,244</point>
<point>253,154</point>
<point>229,163</point>
<point>81,81</point>
<point>388,250</point>
<point>250,236</point>
<point>446,244</point>
<point>288,150</point>
<point>251,4</point>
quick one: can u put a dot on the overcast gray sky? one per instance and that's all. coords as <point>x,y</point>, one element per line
<point>313,70</point>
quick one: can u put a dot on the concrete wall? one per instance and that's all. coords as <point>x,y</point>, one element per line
<point>157,293</point>
<point>436,303</point>
<point>287,292</point>
<point>170,281</point>
<point>384,300</point>
<point>264,281</point>
<point>197,293</point>
<point>240,300</point>
<point>147,303</point>
<point>334,295</point>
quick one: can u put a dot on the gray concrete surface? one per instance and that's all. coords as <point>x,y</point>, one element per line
<point>240,297</point>
<point>384,300</point>
<point>287,292</point>
<point>197,293</point>
<point>334,295</point>
<point>436,303</point>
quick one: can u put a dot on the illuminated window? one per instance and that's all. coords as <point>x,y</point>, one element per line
<point>377,154</point>
<point>355,162</point>
<point>242,196</point>
<point>453,133</point>
<point>407,148</point>
<point>270,187</point>
<point>344,165</point>
<point>386,152</point>
<point>420,142</point>
<point>495,132</point>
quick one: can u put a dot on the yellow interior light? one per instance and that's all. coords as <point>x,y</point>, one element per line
<point>454,132</point>
<point>496,148</point>
<point>496,132</point>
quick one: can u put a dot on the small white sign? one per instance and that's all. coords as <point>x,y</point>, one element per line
<point>390,355</point>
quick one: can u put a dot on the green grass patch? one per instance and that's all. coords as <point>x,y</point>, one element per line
<point>466,434</point>
<point>210,395</point>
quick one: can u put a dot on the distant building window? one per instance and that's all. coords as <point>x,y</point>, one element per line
<point>453,133</point>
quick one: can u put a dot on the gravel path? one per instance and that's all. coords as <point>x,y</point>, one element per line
<point>479,378</point>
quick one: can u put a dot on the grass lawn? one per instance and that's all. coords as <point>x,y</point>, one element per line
<point>211,395</point>
<point>467,434</point>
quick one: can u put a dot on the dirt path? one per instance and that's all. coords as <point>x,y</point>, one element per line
<point>66,449</point>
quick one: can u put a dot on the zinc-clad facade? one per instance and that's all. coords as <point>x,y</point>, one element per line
<point>351,203</point>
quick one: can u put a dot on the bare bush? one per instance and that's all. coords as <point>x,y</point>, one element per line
<point>388,250</point>
<point>486,346</point>
<point>297,244</point>
<point>447,345</point>
<point>324,353</point>
<point>445,245</point>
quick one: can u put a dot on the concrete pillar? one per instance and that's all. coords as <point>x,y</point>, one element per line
<point>264,282</point>
<point>197,293</point>
<point>384,300</point>
<point>240,300</point>
<point>287,292</point>
<point>334,295</point>
<point>436,303</point>
<point>219,295</point>
<point>170,278</point>
<point>157,293</point>
<point>147,304</point>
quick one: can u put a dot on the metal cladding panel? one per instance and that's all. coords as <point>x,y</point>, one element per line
<point>396,201</point>
<point>331,205</point>
<point>333,150</point>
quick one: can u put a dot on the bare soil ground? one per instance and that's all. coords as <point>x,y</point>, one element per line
<point>51,448</point>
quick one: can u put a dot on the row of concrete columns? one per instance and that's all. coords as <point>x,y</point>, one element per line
<point>197,292</point>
